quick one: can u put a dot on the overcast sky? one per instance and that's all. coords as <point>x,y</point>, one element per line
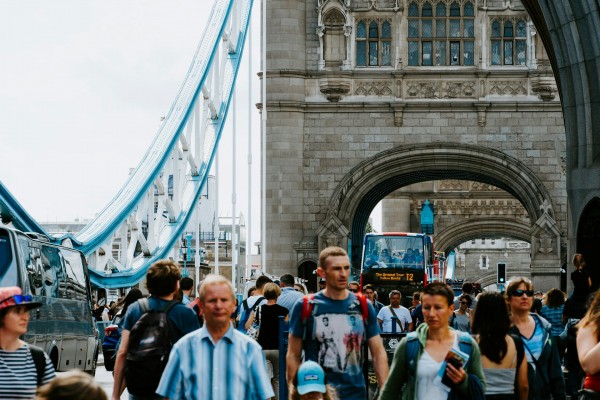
<point>83,88</point>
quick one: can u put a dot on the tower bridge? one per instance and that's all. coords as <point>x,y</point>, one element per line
<point>366,97</point>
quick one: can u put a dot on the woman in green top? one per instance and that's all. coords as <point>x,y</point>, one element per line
<point>420,355</point>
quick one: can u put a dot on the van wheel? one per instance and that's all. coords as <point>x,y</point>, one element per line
<point>54,358</point>
<point>92,371</point>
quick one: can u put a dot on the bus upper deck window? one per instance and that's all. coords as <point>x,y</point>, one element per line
<point>5,254</point>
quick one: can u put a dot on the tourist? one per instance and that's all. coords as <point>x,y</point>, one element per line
<point>588,348</point>
<point>502,355</point>
<point>545,373</point>
<point>421,354</point>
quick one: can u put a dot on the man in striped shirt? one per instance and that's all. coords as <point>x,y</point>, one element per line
<point>216,362</point>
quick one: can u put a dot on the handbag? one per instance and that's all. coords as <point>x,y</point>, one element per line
<point>254,329</point>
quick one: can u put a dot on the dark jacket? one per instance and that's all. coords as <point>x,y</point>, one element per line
<point>546,380</point>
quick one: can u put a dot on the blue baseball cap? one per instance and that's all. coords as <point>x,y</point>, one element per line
<point>311,378</point>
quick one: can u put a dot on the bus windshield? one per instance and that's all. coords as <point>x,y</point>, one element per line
<point>395,252</point>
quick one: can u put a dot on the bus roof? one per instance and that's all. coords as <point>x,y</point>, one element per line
<point>396,234</point>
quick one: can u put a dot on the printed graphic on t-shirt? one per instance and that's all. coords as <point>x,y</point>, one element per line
<point>340,337</point>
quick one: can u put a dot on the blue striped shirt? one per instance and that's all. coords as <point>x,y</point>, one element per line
<point>233,368</point>
<point>554,316</point>
<point>18,375</point>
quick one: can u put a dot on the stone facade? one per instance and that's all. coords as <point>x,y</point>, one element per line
<point>334,128</point>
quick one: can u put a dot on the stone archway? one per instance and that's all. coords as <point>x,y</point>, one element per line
<point>588,237</point>
<point>454,235</point>
<point>306,270</point>
<point>374,178</point>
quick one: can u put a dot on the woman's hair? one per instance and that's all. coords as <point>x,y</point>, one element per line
<point>491,322</point>
<point>252,289</point>
<point>467,298</point>
<point>441,289</point>
<point>555,298</point>
<point>134,295</point>
<point>592,316</point>
<point>516,282</point>
<point>578,261</point>
<point>72,385</point>
<point>271,291</point>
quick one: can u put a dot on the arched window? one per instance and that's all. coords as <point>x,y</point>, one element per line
<point>508,42</point>
<point>373,43</point>
<point>441,33</point>
<point>334,43</point>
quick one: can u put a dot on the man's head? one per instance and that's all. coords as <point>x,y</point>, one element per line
<point>321,283</point>
<point>352,320</point>
<point>163,278</point>
<point>286,280</point>
<point>334,266</point>
<point>416,299</point>
<point>325,321</point>
<point>467,287</point>
<point>395,298</point>
<point>186,284</point>
<point>217,300</point>
<point>369,291</point>
<point>261,282</point>
<point>353,286</point>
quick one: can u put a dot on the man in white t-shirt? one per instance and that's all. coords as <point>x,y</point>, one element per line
<point>400,316</point>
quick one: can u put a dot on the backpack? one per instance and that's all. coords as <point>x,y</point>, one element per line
<point>40,362</point>
<point>308,306</point>
<point>150,342</point>
<point>245,313</point>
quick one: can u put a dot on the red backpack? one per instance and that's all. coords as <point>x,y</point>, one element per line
<point>308,306</point>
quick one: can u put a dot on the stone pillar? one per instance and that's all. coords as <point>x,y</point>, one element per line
<point>545,251</point>
<point>396,214</point>
<point>286,65</point>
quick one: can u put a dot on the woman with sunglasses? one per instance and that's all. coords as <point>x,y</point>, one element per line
<point>544,373</point>
<point>22,367</point>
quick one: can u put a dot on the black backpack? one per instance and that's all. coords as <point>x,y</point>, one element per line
<point>150,342</point>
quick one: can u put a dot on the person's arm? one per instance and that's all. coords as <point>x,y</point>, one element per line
<point>380,362</point>
<point>522,380</point>
<point>410,326</point>
<point>397,375</point>
<point>119,368</point>
<point>250,321</point>
<point>292,358</point>
<point>588,348</point>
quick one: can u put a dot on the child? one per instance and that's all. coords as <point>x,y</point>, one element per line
<point>309,384</point>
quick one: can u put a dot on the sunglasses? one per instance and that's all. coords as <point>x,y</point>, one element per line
<point>353,290</point>
<point>18,299</point>
<point>520,293</point>
<point>464,302</point>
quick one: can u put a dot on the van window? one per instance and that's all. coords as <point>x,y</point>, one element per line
<point>33,266</point>
<point>53,271</point>
<point>76,286</point>
<point>6,255</point>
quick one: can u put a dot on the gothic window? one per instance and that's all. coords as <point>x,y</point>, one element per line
<point>373,43</point>
<point>508,42</point>
<point>441,33</point>
<point>334,44</point>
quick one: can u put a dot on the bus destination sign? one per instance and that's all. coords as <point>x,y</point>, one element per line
<point>395,276</point>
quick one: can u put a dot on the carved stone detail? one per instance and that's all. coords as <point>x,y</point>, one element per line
<point>480,186</point>
<point>332,232</point>
<point>441,90</point>
<point>452,185</point>
<point>334,89</point>
<point>544,87</point>
<point>377,88</point>
<point>508,87</point>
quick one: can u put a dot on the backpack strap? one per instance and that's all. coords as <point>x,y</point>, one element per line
<point>397,319</point>
<point>412,350</point>
<point>256,303</point>
<point>40,362</point>
<point>364,306</point>
<point>144,305</point>
<point>465,344</point>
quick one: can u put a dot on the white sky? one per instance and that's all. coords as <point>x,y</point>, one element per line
<point>82,88</point>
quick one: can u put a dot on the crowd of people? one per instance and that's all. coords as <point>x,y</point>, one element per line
<point>510,345</point>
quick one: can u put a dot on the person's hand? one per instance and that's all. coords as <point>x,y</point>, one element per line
<point>456,375</point>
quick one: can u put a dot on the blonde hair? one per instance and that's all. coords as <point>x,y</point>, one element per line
<point>214,280</point>
<point>72,385</point>
<point>330,394</point>
<point>271,291</point>
<point>592,316</point>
